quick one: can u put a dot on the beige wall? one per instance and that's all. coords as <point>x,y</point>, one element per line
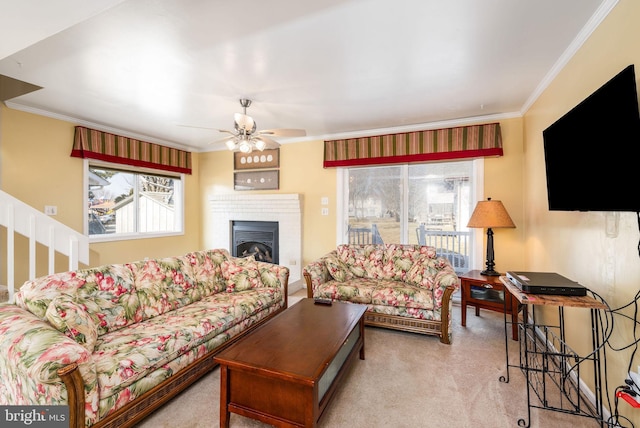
<point>36,167</point>
<point>574,243</point>
<point>503,181</point>
<point>301,172</point>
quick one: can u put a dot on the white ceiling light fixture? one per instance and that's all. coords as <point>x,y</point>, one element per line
<point>245,138</point>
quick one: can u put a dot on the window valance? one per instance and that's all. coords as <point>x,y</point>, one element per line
<point>419,146</point>
<point>93,144</point>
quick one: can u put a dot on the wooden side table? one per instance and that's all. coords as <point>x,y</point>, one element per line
<point>487,292</point>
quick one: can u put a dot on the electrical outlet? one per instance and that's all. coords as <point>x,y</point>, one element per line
<point>50,210</point>
<point>324,200</point>
<point>325,211</point>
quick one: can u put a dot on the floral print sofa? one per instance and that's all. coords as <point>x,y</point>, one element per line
<point>115,342</point>
<point>405,287</point>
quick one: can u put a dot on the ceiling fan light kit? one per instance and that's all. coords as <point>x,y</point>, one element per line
<point>245,145</point>
<point>245,138</point>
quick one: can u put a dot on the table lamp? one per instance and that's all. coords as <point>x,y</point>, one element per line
<point>488,215</point>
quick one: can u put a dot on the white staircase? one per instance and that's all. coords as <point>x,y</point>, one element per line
<point>16,217</point>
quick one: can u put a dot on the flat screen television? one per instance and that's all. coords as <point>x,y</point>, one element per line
<point>591,152</point>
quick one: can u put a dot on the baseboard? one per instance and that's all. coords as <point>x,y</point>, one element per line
<point>583,388</point>
<point>295,286</point>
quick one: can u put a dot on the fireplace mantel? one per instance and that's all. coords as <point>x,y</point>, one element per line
<point>283,208</point>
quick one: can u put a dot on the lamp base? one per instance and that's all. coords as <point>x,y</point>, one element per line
<point>489,271</point>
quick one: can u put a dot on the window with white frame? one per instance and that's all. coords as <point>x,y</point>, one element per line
<point>427,204</point>
<point>126,203</point>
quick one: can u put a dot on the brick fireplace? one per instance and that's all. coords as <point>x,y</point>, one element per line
<point>285,209</point>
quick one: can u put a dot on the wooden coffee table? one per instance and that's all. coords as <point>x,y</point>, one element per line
<point>285,372</point>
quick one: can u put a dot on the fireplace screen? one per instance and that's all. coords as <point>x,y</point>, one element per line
<point>255,238</point>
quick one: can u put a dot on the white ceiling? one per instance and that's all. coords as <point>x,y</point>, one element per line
<point>158,69</point>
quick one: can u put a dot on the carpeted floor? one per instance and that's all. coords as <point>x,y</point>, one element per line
<point>406,380</point>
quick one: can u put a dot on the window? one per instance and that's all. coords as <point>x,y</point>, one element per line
<point>128,204</point>
<point>427,204</point>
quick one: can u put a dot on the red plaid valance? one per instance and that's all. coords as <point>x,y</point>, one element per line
<point>419,146</point>
<point>93,144</point>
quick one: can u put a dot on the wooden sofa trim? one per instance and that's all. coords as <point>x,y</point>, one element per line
<point>138,409</point>
<point>413,325</point>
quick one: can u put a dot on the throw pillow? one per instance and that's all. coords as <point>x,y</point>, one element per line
<point>338,269</point>
<point>73,320</point>
<point>422,273</point>
<point>398,260</point>
<point>364,261</point>
<point>271,275</point>
<point>241,274</point>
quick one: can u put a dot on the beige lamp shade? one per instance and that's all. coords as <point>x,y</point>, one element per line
<point>490,214</point>
<point>487,215</point>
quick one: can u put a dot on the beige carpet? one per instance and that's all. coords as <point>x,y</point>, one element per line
<point>406,380</point>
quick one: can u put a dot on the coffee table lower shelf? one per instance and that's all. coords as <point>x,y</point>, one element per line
<point>286,372</point>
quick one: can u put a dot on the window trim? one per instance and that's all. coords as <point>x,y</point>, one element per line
<point>476,255</point>
<point>136,235</point>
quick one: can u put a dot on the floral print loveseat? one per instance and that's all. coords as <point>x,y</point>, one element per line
<point>115,342</point>
<point>405,287</point>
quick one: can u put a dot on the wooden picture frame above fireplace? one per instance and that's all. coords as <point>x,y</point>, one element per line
<point>257,180</point>
<point>269,158</point>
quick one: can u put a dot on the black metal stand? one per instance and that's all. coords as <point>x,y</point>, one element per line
<point>552,368</point>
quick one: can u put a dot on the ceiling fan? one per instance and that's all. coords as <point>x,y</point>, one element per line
<point>245,138</point>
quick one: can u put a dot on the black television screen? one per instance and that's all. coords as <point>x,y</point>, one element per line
<point>590,152</point>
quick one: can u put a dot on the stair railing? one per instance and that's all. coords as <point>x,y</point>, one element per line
<point>39,228</point>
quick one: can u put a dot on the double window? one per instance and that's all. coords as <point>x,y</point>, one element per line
<point>129,204</point>
<point>427,204</point>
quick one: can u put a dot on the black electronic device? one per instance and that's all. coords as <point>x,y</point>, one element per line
<point>594,146</point>
<point>322,301</point>
<point>546,283</point>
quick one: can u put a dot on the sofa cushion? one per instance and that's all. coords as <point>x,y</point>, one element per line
<point>398,294</point>
<point>272,275</point>
<point>36,295</point>
<point>427,271</point>
<point>163,285</point>
<point>106,292</point>
<point>338,269</point>
<point>132,361</point>
<point>355,290</point>
<point>421,272</point>
<point>72,319</point>
<point>398,260</point>
<point>364,261</point>
<point>207,271</point>
<point>128,355</point>
<point>241,274</point>
<point>109,293</point>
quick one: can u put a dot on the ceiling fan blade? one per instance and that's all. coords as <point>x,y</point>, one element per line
<point>212,129</point>
<point>196,127</point>
<point>283,132</point>
<point>245,122</point>
<point>224,140</point>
